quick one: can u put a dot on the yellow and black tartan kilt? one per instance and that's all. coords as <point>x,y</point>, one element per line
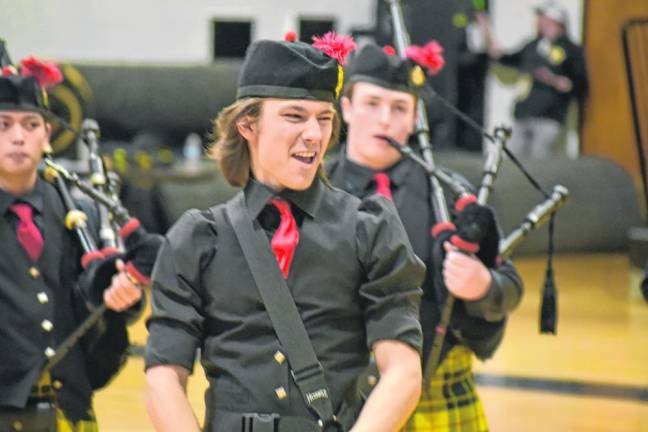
<point>450,403</point>
<point>65,425</point>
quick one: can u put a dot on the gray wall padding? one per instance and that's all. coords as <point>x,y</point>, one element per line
<point>602,205</point>
<point>181,99</point>
<point>177,196</point>
<point>167,99</point>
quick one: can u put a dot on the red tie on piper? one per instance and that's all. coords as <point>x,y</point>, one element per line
<point>383,185</point>
<point>27,233</point>
<point>285,239</point>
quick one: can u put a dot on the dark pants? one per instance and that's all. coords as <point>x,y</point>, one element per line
<point>38,416</point>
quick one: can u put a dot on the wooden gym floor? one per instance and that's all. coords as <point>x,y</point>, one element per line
<point>591,377</point>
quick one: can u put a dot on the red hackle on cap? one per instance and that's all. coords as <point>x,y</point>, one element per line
<point>46,74</point>
<point>334,45</point>
<point>290,36</point>
<point>430,56</point>
<point>9,70</point>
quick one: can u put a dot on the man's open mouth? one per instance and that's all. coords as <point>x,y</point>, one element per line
<point>307,157</point>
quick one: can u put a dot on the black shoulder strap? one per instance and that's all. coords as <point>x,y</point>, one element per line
<point>305,367</point>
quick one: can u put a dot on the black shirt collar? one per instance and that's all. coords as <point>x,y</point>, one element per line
<point>257,195</point>
<point>362,177</point>
<point>33,198</point>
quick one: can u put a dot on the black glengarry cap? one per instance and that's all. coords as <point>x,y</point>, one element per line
<point>382,67</point>
<point>295,70</point>
<point>24,88</point>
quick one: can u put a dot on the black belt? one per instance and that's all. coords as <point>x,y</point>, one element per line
<point>42,392</point>
<point>39,415</point>
<point>227,421</point>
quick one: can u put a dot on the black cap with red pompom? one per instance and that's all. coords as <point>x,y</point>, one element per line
<point>379,66</point>
<point>382,67</point>
<point>295,70</point>
<point>24,88</point>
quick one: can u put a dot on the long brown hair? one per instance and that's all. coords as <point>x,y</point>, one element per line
<point>231,150</point>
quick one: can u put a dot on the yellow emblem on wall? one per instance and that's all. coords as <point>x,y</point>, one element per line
<point>417,76</point>
<point>557,55</point>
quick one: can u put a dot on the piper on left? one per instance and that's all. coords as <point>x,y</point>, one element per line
<point>45,291</point>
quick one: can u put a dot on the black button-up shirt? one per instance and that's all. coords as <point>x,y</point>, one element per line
<point>354,278</point>
<point>41,303</point>
<point>34,198</point>
<point>481,321</point>
<point>38,305</point>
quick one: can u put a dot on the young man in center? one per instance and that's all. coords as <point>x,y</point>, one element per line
<point>346,263</point>
<point>379,100</point>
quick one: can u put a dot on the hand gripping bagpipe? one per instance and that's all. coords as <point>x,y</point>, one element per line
<point>474,230</point>
<point>100,265</point>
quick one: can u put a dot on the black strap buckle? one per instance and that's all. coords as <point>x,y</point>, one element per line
<point>255,422</point>
<point>307,372</point>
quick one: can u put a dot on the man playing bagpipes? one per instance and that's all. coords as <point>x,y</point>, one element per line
<point>380,100</point>
<point>49,281</point>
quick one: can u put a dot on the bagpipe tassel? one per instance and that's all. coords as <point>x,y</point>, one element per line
<point>549,306</point>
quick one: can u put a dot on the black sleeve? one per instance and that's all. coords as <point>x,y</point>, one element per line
<point>503,296</point>
<point>393,274</point>
<point>176,323</point>
<point>513,59</point>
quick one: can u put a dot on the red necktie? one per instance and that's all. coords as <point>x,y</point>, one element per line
<point>382,185</point>
<point>286,236</point>
<point>27,233</point>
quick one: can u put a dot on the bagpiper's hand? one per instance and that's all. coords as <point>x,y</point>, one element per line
<point>465,276</point>
<point>123,291</point>
<point>563,84</point>
<point>141,251</point>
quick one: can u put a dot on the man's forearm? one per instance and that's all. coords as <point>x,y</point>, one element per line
<point>167,403</point>
<point>390,403</point>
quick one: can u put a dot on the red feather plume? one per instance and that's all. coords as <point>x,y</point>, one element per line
<point>8,71</point>
<point>46,74</point>
<point>334,45</point>
<point>429,56</point>
<point>290,36</point>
